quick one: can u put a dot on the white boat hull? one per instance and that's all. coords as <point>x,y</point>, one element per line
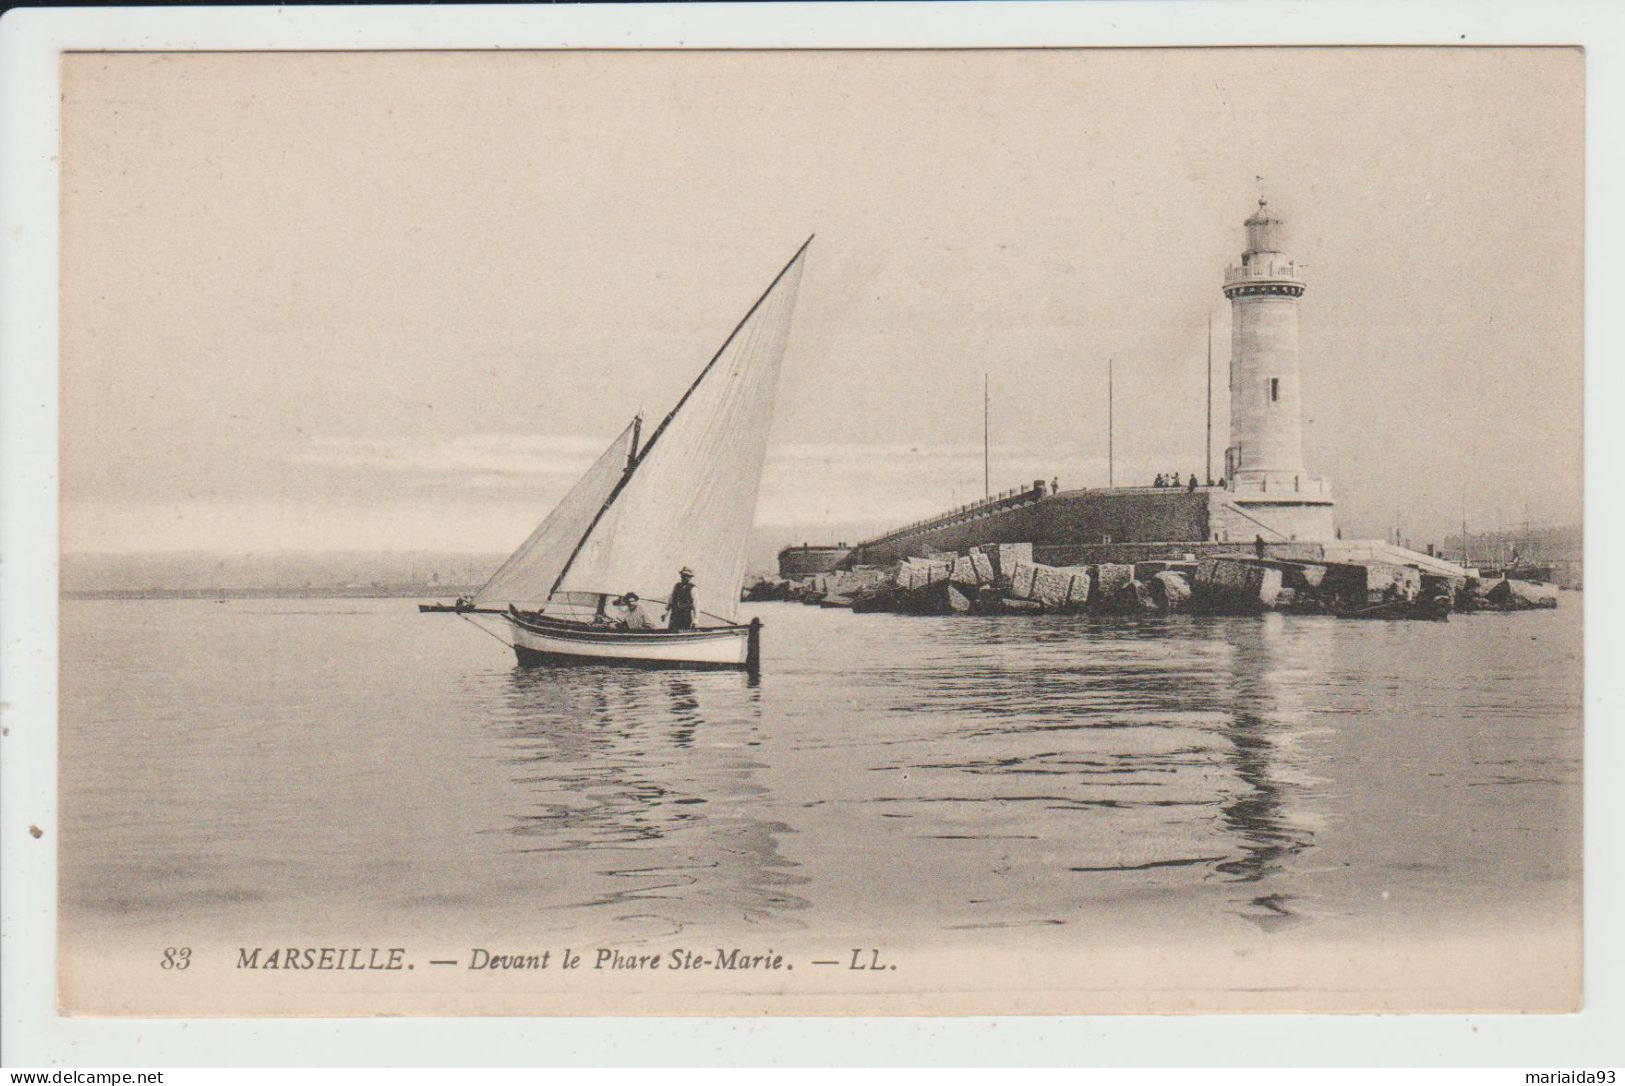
<point>555,643</point>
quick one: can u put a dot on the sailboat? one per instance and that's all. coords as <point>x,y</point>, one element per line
<point>683,499</point>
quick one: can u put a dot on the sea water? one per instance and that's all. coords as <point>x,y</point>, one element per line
<point>271,768</point>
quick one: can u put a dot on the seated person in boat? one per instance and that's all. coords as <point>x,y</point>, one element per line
<point>629,616</point>
<point>680,605</point>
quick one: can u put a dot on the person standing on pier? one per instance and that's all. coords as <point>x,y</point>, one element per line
<point>1258,545</point>
<point>680,605</point>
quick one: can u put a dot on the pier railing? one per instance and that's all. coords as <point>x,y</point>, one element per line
<point>1013,498</point>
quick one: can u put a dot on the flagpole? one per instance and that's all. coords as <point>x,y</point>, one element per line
<point>987,469</point>
<point>1209,449</point>
<point>1110,426</point>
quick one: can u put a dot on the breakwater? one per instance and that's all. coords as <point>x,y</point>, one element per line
<point>1356,580</point>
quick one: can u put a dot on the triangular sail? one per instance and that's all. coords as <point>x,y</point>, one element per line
<point>529,573</point>
<point>691,498</point>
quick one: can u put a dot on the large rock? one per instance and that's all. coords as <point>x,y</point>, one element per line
<point>928,599</point>
<point>990,552</point>
<point>1006,557</point>
<point>1060,588</point>
<point>982,565</point>
<point>1021,580</point>
<point>1234,585</point>
<point>1051,587</point>
<point>1172,590</point>
<point>1144,571</point>
<point>1132,598</point>
<point>880,598</point>
<point>918,572</point>
<point>1110,578</point>
<point>860,579</point>
<point>1081,590</point>
<point>1522,595</point>
<point>964,572</point>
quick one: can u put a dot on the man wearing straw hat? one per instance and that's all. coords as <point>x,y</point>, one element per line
<point>680,606</point>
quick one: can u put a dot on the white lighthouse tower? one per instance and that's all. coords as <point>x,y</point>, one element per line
<point>1269,490</point>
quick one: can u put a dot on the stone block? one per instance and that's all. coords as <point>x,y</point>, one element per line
<point>1235,584</point>
<point>1110,578</point>
<point>1060,589</point>
<point>1172,589</point>
<point>1078,592</point>
<point>1021,580</point>
<point>1521,595</point>
<point>1009,554</point>
<point>1052,586</point>
<point>1144,571</point>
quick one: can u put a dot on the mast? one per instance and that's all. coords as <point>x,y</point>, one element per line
<point>643,453</point>
<point>1464,558</point>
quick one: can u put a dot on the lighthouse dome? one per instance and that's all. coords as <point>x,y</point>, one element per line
<point>1266,232</point>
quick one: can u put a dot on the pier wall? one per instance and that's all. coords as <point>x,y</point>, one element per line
<point>1125,515</point>
<point>809,561</point>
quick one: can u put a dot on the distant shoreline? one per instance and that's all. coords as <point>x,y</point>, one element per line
<point>404,591</point>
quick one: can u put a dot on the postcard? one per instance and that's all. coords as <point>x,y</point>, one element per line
<point>820,531</point>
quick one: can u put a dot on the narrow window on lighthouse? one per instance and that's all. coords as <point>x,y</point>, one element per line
<point>1275,389</point>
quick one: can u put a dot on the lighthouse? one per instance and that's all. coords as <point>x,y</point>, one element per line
<point>1268,493</point>
<point>1264,467</point>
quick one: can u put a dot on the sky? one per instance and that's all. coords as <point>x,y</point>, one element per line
<point>401,301</point>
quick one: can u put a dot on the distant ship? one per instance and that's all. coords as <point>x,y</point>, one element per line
<point>576,590</point>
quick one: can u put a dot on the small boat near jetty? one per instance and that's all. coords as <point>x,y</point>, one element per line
<point>1430,608</point>
<point>578,590</point>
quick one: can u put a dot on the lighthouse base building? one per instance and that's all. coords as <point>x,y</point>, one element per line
<point>1304,511</point>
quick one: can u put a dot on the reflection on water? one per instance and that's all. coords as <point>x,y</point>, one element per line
<point>1146,751</point>
<point>1267,730</point>
<point>649,772</point>
<point>248,762</point>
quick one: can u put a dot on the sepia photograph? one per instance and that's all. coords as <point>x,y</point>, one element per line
<point>821,531</point>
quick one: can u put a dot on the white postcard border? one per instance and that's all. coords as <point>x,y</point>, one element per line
<point>31,41</point>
